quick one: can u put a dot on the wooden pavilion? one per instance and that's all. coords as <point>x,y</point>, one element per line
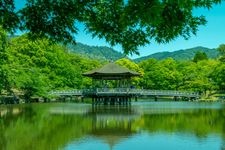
<point>111,84</point>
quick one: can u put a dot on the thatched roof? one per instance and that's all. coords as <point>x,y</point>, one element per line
<point>111,71</point>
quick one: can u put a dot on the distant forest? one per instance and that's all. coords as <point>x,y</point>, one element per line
<point>106,53</point>
<point>182,55</point>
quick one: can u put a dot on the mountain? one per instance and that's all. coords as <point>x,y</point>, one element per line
<point>106,53</point>
<point>181,55</point>
<point>96,52</point>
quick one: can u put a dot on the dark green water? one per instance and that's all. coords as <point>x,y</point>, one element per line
<point>147,125</point>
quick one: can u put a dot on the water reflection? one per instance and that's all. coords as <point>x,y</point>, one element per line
<point>81,126</point>
<point>112,124</point>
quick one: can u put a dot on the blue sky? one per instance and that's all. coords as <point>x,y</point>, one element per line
<point>211,35</point>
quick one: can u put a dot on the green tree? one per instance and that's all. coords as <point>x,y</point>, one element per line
<point>32,83</point>
<point>200,56</point>
<point>148,66</point>
<point>36,67</point>
<point>132,66</point>
<point>162,75</point>
<point>197,76</point>
<point>9,19</point>
<point>218,76</point>
<point>171,75</point>
<point>130,23</point>
<point>221,50</point>
<point>39,66</point>
<point>4,81</point>
<point>84,64</point>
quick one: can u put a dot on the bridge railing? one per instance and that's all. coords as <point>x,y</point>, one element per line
<point>144,92</point>
<point>66,92</point>
<point>105,91</point>
<point>168,92</point>
<point>116,90</point>
<point>112,90</point>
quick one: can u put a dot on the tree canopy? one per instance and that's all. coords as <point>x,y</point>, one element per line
<point>221,50</point>
<point>200,56</point>
<point>130,23</point>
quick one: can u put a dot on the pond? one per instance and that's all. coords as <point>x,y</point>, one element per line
<point>141,125</point>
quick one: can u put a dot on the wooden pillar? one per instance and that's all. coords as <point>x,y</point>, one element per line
<point>96,100</point>
<point>183,98</point>
<point>126,101</point>
<point>112,102</point>
<point>63,99</point>
<point>120,99</point>
<point>175,98</point>
<point>105,100</point>
<point>100,100</point>
<point>156,98</point>
<point>123,100</point>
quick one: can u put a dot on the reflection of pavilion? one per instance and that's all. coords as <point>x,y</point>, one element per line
<point>111,84</point>
<point>112,124</point>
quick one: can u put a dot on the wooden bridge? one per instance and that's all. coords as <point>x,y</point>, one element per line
<point>123,92</point>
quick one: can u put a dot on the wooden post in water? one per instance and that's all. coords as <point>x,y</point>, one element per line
<point>135,98</point>
<point>175,98</point>
<point>156,98</point>
<point>129,100</point>
<point>92,99</point>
